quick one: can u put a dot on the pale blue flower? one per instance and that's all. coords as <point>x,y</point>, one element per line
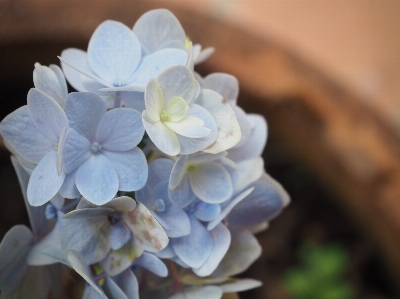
<point>100,148</point>
<point>35,132</point>
<point>114,61</point>
<point>205,176</point>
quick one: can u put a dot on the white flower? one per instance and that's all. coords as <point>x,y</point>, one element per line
<point>172,121</point>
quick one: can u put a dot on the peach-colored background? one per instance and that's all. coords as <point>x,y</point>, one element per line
<point>356,42</point>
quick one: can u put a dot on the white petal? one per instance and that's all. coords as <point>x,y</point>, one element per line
<point>256,141</point>
<point>148,233</point>
<point>177,172</point>
<point>209,292</point>
<point>53,84</point>
<point>114,52</point>
<point>189,126</point>
<point>193,145</point>
<point>21,134</point>
<point>211,183</point>
<point>154,100</point>
<point>178,81</point>
<point>44,182</point>
<point>163,137</point>
<point>240,285</point>
<point>248,172</point>
<point>158,27</point>
<point>204,55</point>
<point>76,150</point>
<point>131,167</point>
<point>47,114</point>
<point>78,58</point>
<point>222,240</point>
<point>97,180</point>
<point>154,64</point>
<point>228,127</point>
<point>245,126</point>
<point>177,108</point>
<point>224,84</point>
<point>84,111</point>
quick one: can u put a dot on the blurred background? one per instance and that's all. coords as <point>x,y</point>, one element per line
<point>325,74</point>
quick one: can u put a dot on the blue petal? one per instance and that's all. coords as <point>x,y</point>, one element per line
<point>114,52</point>
<point>182,195</point>
<point>119,235</point>
<point>21,134</point>
<point>222,240</point>
<point>153,264</point>
<point>44,182</point>
<point>112,290</point>
<point>120,129</point>
<point>264,203</point>
<point>154,64</point>
<point>195,248</point>
<point>157,28</point>
<point>13,251</point>
<point>206,212</point>
<point>84,111</point>
<point>97,180</point>
<point>131,168</point>
<point>128,283</point>
<point>76,150</point>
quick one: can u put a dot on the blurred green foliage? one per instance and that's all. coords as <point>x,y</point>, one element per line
<point>321,274</point>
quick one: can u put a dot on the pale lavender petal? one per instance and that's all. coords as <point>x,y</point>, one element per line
<point>120,129</point>
<point>177,221</point>
<point>97,180</point>
<point>131,168</point>
<point>44,182</point>
<point>61,80</point>
<point>207,212</point>
<point>133,99</point>
<point>119,235</point>
<point>248,172</point>
<point>114,52</point>
<point>154,100</point>
<point>84,111</point>
<point>245,127</point>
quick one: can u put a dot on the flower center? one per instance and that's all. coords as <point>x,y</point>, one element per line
<point>190,168</point>
<point>165,116</point>
<point>159,205</point>
<point>95,147</point>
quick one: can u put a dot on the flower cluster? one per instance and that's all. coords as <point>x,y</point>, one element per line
<point>148,180</point>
